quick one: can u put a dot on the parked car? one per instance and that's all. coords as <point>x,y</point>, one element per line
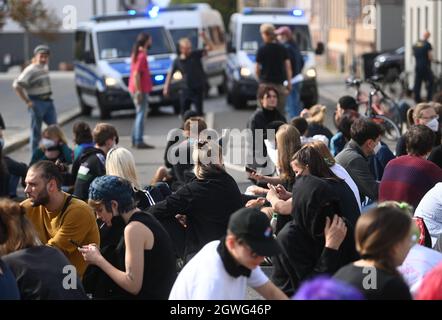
<point>389,65</point>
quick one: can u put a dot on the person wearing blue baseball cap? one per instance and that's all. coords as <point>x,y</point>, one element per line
<point>33,86</point>
<point>149,268</point>
<point>224,268</point>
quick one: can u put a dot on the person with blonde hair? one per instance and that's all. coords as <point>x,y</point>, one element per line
<point>53,146</point>
<point>39,269</point>
<point>315,117</point>
<point>121,163</point>
<point>205,202</point>
<point>424,114</point>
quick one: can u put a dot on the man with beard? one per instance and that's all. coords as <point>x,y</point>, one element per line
<point>60,219</point>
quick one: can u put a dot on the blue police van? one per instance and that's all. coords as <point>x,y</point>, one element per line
<point>102,60</point>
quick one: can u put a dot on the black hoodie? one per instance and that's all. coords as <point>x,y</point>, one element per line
<point>303,241</point>
<point>92,165</point>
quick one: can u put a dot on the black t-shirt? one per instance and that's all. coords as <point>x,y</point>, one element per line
<point>40,274</point>
<point>272,57</point>
<point>159,262</point>
<point>380,285</point>
<point>192,69</point>
<point>421,50</point>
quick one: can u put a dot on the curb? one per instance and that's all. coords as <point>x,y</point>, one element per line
<point>23,138</point>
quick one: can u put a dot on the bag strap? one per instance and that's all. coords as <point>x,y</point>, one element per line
<point>65,206</point>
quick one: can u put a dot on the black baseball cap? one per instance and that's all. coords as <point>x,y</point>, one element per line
<point>253,226</point>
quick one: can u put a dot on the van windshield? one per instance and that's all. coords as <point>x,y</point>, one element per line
<point>118,43</point>
<point>251,38</point>
<point>191,34</point>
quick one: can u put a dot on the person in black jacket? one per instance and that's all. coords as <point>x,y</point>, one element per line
<point>260,120</point>
<point>91,164</point>
<point>318,240</point>
<point>205,203</point>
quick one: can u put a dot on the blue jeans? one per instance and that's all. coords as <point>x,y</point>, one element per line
<point>138,129</point>
<point>293,104</point>
<point>43,110</point>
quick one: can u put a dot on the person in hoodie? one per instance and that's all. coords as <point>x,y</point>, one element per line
<point>91,164</point>
<point>317,241</point>
<point>205,204</point>
<point>260,119</point>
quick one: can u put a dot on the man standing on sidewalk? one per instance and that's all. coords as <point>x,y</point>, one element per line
<point>293,103</point>
<point>422,52</point>
<point>273,65</point>
<point>33,86</point>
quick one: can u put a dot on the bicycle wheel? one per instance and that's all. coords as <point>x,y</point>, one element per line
<point>391,130</point>
<point>392,112</point>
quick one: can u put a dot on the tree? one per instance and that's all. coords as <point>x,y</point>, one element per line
<point>225,7</point>
<point>34,18</point>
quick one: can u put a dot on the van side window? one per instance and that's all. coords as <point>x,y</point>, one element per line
<point>80,37</point>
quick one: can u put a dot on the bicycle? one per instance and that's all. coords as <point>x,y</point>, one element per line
<point>380,107</point>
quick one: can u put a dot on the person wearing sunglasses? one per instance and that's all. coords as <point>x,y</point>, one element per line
<point>224,268</point>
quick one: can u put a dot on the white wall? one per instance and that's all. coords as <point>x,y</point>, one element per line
<point>415,27</point>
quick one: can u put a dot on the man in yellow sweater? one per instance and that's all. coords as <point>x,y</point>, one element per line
<point>57,217</point>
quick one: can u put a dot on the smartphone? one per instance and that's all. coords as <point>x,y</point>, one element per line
<point>250,170</point>
<point>75,243</point>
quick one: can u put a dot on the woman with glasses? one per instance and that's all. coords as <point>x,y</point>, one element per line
<point>384,237</point>
<point>425,114</point>
<point>204,204</point>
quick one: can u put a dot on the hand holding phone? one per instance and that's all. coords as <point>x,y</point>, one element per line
<point>250,170</point>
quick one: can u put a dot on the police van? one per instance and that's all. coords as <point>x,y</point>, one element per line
<point>245,40</point>
<point>102,60</point>
<point>188,21</point>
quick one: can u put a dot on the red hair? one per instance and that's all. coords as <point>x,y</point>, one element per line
<point>431,287</point>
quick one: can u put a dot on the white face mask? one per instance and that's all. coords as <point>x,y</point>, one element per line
<point>377,147</point>
<point>48,143</point>
<point>433,125</point>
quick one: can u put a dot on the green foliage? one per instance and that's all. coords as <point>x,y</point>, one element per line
<point>225,7</point>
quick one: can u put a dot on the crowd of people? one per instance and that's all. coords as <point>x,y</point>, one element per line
<point>336,216</point>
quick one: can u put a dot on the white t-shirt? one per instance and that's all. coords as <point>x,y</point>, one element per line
<point>205,278</point>
<point>343,174</point>
<point>430,209</point>
<point>418,262</point>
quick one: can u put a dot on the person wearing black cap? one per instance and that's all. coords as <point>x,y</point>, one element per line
<point>145,267</point>
<point>224,268</point>
<point>33,86</point>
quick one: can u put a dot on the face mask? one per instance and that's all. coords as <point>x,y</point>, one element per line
<point>433,125</point>
<point>377,148</point>
<point>2,143</point>
<point>48,143</point>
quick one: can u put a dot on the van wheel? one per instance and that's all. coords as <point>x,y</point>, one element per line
<point>105,113</point>
<point>85,109</point>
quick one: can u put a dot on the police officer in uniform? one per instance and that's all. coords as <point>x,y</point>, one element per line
<point>422,52</point>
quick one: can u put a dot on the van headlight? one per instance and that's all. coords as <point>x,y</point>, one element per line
<point>111,82</point>
<point>245,72</point>
<point>177,76</point>
<point>310,73</point>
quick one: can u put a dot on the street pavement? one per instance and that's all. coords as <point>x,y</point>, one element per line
<point>219,116</point>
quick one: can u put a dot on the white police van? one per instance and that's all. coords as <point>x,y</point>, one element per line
<point>245,40</point>
<point>102,60</point>
<point>188,21</point>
